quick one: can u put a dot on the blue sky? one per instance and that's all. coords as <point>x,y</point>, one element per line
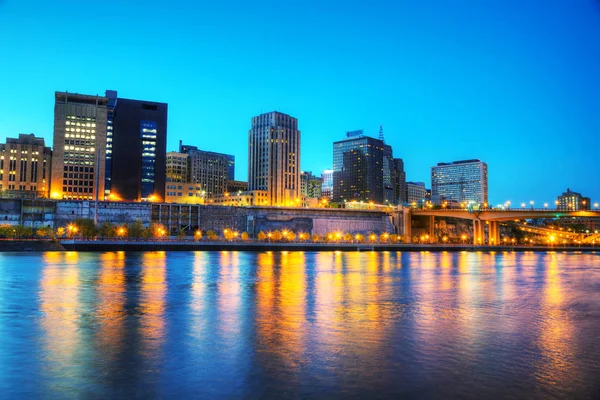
<point>513,83</point>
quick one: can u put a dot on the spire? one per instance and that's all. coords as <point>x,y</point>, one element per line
<point>381,133</point>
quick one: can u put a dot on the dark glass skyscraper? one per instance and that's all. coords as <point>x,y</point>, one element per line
<point>361,169</point>
<point>139,142</point>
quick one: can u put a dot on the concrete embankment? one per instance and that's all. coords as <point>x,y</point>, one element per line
<point>30,245</point>
<point>101,245</point>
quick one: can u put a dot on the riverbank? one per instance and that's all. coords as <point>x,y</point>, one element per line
<point>7,245</point>
<point>110,245</point>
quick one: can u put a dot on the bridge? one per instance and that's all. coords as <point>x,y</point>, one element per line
<point>489,217</point>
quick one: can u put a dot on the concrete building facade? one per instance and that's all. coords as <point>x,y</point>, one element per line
<point>207,168</point>
<point>415,193</point>
<point>310,185</point>
<point>25,167</point>
<point>274,157</point>
<point>461,181</point>
<point>78,158</point>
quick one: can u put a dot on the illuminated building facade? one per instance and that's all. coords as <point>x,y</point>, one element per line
<point>25,167</point>
<point>310,185</point>
<point>361,169</point>
<point>139,142</point>
<point>415,192</point>
<point>241,199</point>
<point>79,146</point>
<point>177,167</point>
<point>461,181</point>
<point>237,186</point>
<point>184,193</point>
<point>327,183</point>
<point>207,168</point>
<point>572,201</point>
<point>274,158</point>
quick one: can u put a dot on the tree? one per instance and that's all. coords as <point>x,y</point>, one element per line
<point>181,234</point>
<point>347,237</point>
<point>261,236</point>
<point>316,238</point>
<point>212,235</point>
<point>107,230</point>
<point>60,232</point>
<point>198,235</point>
<point>45,232</point>
<point>291,236</point>
<point>384,237</point>
<point>245,236</point>
<point>86,227</point>
<point>277,235</point>
<point>136,229</point>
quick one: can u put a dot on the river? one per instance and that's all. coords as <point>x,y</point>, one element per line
<point>299,325</point>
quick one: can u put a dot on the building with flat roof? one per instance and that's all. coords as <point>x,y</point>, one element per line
<point>310,185</point>
<point>572,201</point>
<point>236,186</point>
<point>25,164</point>
<point>78,157</point>
<point>274,158</point>
<point>415,193</point>
<point>361,169</point>
<point>460,181</point>
<point>138,153</point>
<point>177,167</point>
<point>327,183</point>
<point>207,168</point>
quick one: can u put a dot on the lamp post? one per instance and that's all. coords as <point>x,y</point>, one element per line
<point>531,203</point>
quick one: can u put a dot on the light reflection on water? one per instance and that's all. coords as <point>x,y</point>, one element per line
<point>300,325</point>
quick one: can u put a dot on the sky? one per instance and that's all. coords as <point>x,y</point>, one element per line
<point>513,83</point>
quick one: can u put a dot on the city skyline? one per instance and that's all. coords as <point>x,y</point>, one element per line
<point>446,98</point>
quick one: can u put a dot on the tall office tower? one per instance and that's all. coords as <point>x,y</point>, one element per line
<point>177,167</point>
<point>327,185</point>
<point>359,172</point>
<point>399,181</point>
<point>79,146</point>
<point>310,185</point>
<point>572,201</point>
<point>110,115</point>
<point>207,168</point>
<point>274,158</point>
<point>25,167</point>
<point>139,143</point>
<point>461,181</point>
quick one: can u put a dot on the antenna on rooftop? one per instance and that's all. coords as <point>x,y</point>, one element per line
<point>381,133</point>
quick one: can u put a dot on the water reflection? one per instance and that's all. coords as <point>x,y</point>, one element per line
<point>243,325</point>
<point>152,302</point>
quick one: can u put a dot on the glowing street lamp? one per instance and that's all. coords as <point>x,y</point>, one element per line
<point>531,203</point>
<point>596,206</point>
<point>523,205</point>
<point>545,205</point>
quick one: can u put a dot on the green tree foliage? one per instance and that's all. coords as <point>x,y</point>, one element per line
<point>135,230</point>
<point>212,235</point>
<point>107,230</point>
<point>86,227</point>
<point>45,232</point>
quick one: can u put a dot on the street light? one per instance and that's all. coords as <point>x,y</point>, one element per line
<point>531,203</point>
<point>545,205</point>
<point>523,205</point>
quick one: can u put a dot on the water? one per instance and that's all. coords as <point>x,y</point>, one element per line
<point>213,325</point>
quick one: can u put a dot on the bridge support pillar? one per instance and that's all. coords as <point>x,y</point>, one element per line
<point>407,225</point>
<point>431,228</point>
<point>478,231</point>
<point>494,234</point>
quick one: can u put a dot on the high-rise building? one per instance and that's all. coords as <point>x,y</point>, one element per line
<point>274,158</point>
<point>110,115</point>
<point>310,185</point>
<point>399,181</point>
<point>207,168</point>
<point>572,201</point>
<point>415,192</point>
<point>78,159</point>
<point>327,185</point>
<point>138,151</point>
<point>361,169</point>
<point>230,167</point>
<point>460,181</point>
<point>25,167</point>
